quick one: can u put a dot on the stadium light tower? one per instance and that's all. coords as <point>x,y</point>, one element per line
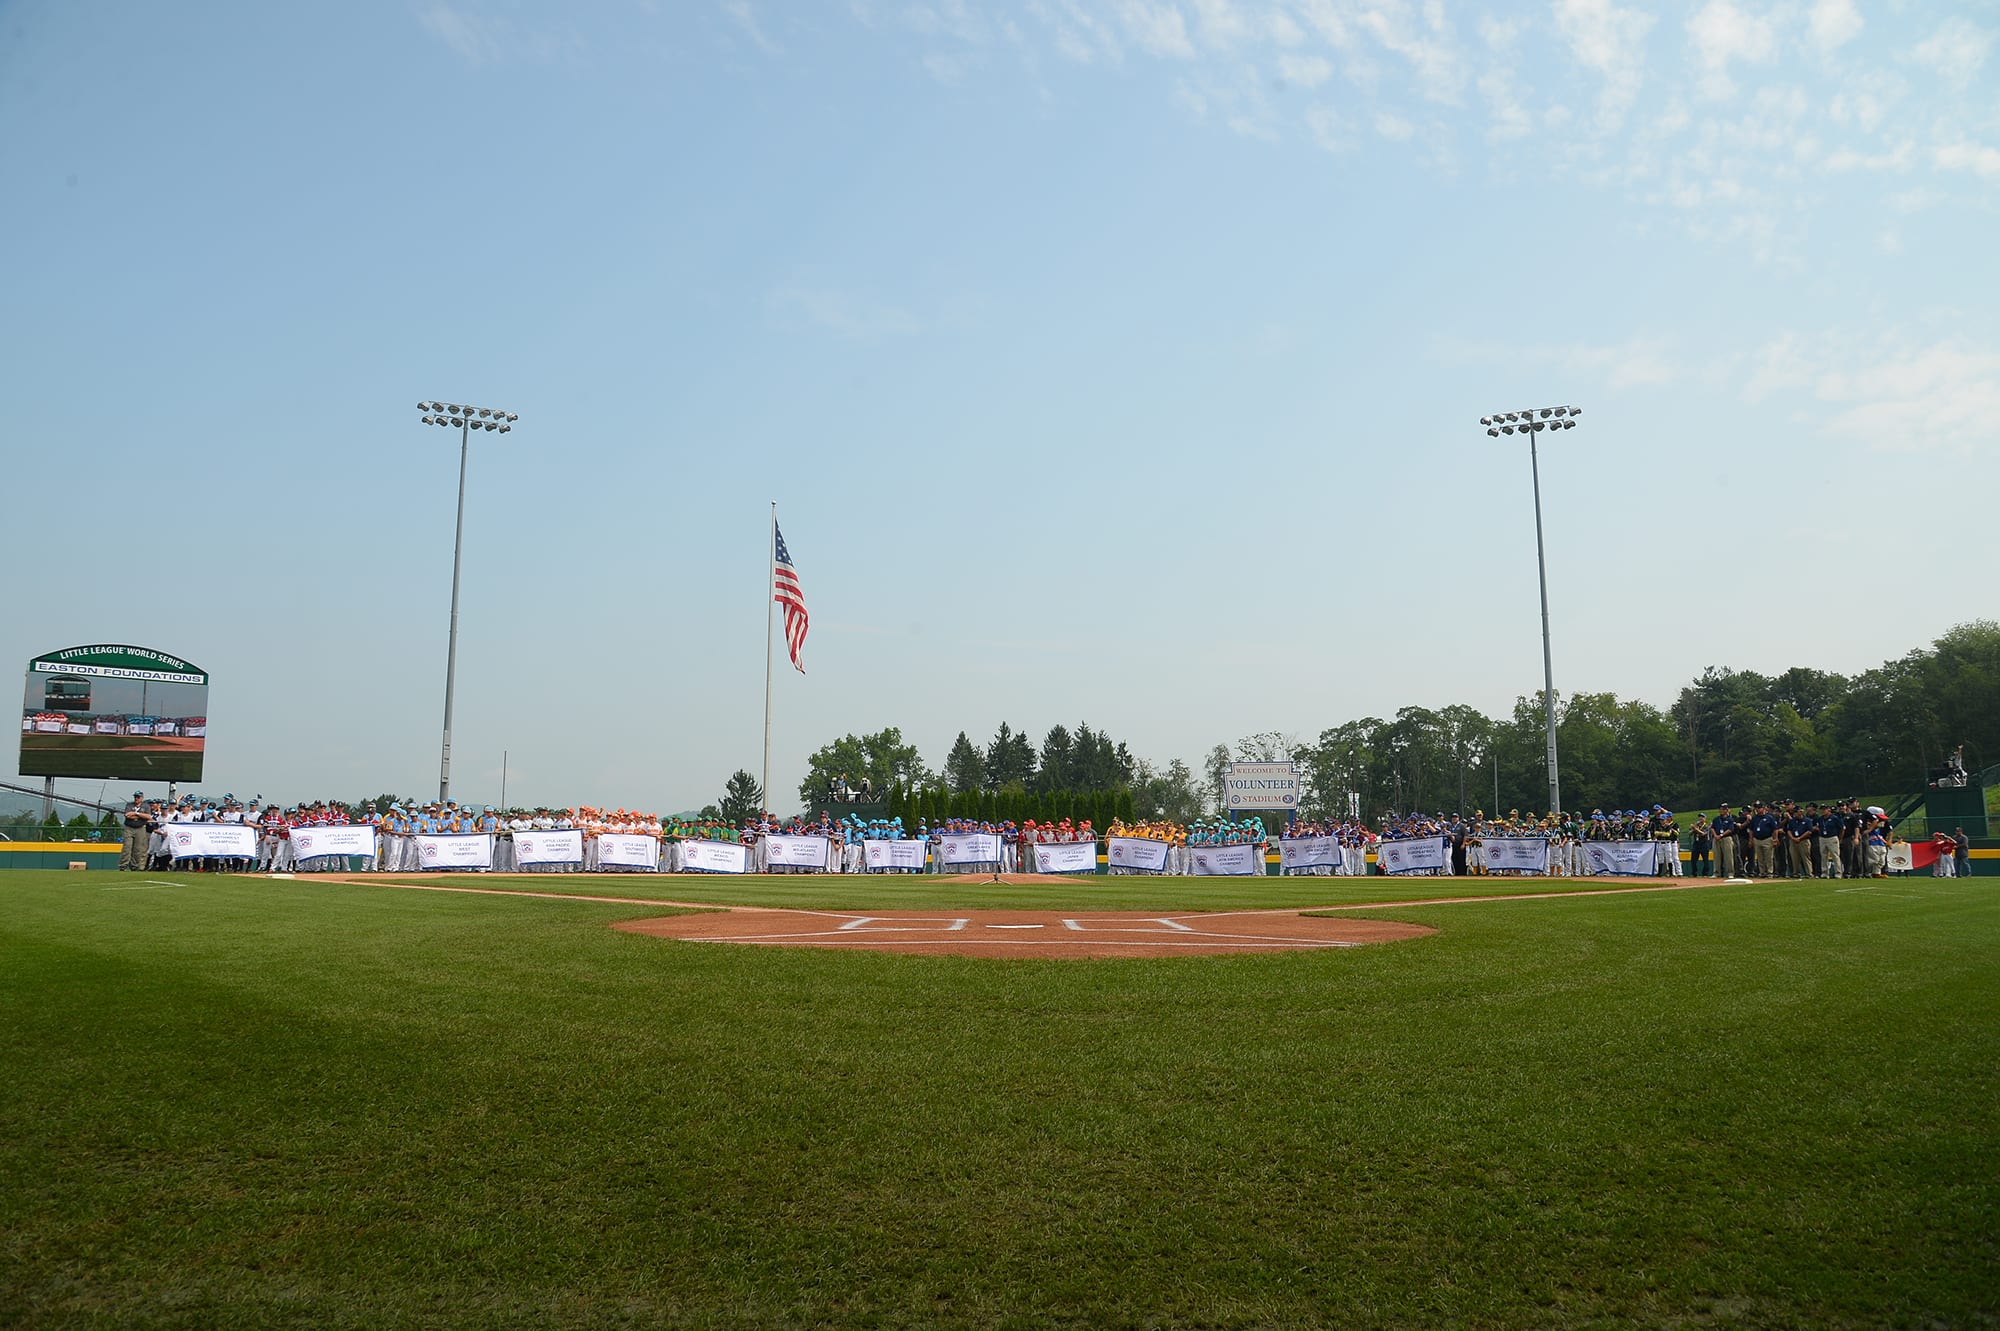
<point>1532,423</point>
<point>467,419</point>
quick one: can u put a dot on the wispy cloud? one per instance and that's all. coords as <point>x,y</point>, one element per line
<point>1962,154</point>
<point>1723,34</point>
<point>1610,41</point>
<point>1155,27</point>
<point>1833,24</point>
<point>841,313</point>
<point>1733,119</point>
<point>1955,52</point>
<point>1892,392</point>
<point>745,18</point>
<point>480,37</point>
<point>1304,71</point>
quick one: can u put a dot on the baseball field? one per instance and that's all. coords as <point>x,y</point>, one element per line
<point>231,1101</point>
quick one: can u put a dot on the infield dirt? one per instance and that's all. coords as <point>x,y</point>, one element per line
<point>1053,935</point>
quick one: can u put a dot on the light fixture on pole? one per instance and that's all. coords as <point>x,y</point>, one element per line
<point>467,419</point>
<point>1532,423</point>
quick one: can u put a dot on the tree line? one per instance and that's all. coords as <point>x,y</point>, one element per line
<point>1730,734</point>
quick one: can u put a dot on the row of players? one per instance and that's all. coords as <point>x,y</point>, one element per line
<point>1839,839</point>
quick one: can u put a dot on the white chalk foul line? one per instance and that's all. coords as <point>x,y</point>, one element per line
<point>1113,926</point>
<point>905,924</point>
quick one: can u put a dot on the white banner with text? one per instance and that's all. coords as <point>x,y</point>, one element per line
<point>338,839</point>
<point>715,857</point>
<point>1218,861</point>
<point>969,848</point>
<point>223,841</point>
<point>627,850</point>
<point>565,847</point>
<point>1140,853</point>
<point>455,852</point>
<point>893,854</point>
<point>1412,856</point>
<point>1308,852</point>
<point>1619,857</point>
<point>1521,854</point>
<point>1071,857</point>
<point>799,852</point>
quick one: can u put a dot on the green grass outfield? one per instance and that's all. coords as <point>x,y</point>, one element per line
<point>232,1101</point>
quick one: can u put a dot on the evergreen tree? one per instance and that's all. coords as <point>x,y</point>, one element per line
<point>1009,758</point>
<point>964,769</point>
<point>742,798</point>
<point>1057,748</point>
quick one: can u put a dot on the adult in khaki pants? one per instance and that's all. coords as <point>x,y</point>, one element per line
<point>1799,829</point>
<point>1764,838</point>
<point>138,833</point>
<point>1725,843</point>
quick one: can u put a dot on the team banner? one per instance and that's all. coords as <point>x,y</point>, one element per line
<point>1215,861</point>
<point>893,854</point>
<point>1066,857</point>
<point>1412,855</point>
<point>800,852</point>
<point>1619,857</point>
<point>1308,852</point>
<point>471,851</point>
<point>1521,854</point>
<point>969,848</point>
<point>1143,854</point>
<point>1902,859</point>
<point>548,847</point>
<point>627,850</point>
<point>340,839</point>
<point>223,841</point>
<point>715,857</point>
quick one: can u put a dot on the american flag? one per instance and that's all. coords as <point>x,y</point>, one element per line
<point>787,593</point>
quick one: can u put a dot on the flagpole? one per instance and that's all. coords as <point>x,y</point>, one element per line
<point>770,601</point>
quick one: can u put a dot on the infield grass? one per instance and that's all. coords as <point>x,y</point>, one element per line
<point>231,1101</point>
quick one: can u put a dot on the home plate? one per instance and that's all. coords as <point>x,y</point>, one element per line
<point>1013,926</point>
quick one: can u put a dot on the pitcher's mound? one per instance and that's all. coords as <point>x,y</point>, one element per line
<point>1029,933</point>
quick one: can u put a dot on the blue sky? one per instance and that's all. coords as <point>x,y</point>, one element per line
<point>1114,360</point>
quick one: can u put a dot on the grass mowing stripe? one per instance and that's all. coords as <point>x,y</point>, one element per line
<point>243,1103</point>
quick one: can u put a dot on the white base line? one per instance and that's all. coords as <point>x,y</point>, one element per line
<point>906,924</point>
